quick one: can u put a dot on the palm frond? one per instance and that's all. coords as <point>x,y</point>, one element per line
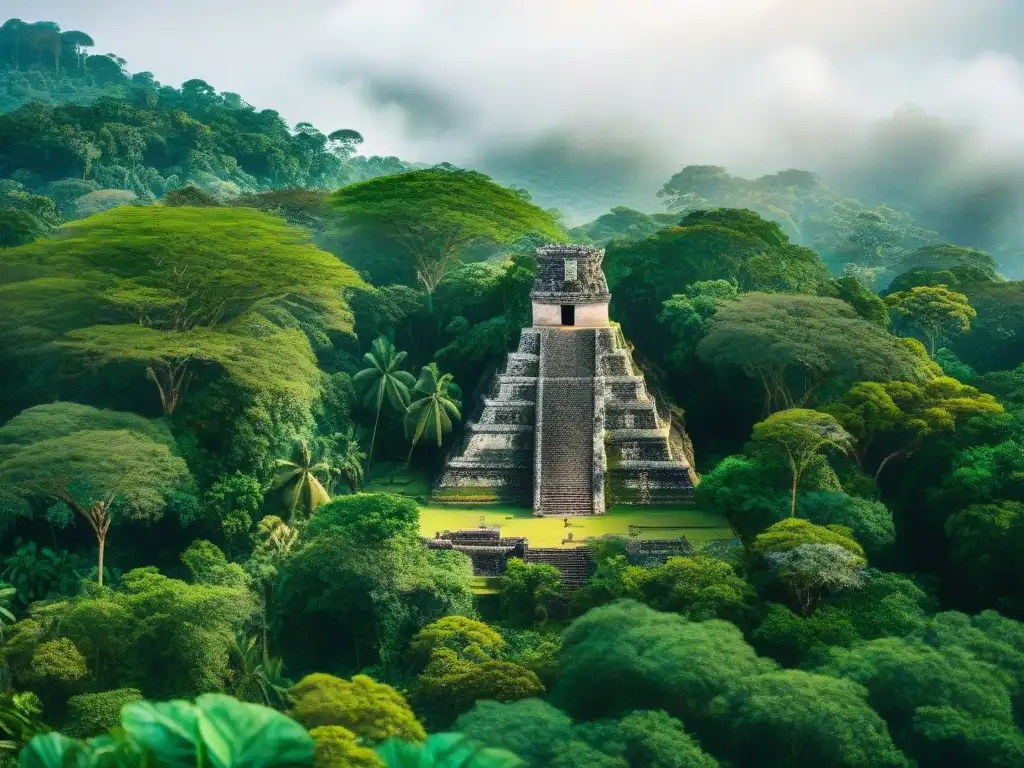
<point>451,408</point>
<point>284,478</point>
<point>317,494</point>
<point>366,374</point>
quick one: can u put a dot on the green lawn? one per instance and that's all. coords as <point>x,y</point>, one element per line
<point>550,531</point>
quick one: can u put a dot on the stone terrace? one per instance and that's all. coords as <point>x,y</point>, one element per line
<point>494,461</point>
<point>641,467</point>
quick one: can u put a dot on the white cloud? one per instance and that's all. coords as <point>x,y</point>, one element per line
<point>755,85</point>
<point>686,75</point>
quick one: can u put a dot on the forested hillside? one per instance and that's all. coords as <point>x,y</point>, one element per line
<point>235,354</point>
<point>78,129</point>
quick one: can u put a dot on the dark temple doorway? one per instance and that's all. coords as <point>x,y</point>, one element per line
<point>568,314</point>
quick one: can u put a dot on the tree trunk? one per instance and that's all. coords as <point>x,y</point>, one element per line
<point>355,645</point>
<point>101,537</point>
<point>887,459</point>
<point>170,381</point>
<point>767,397</point>
<point>408,459</point>
<point>373,438</point>
<point>796,482</point>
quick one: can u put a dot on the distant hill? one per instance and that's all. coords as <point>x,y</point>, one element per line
<point>74,124</point>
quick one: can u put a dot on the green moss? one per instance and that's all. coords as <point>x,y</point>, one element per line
<point>467,496</point>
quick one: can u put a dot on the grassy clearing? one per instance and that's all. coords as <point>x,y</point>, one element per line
<point>548,531</point>
<point>551,531</point>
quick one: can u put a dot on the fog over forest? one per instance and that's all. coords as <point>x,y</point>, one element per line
<point>594,105</point>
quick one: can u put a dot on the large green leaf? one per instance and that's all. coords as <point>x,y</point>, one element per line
<point>53,750</point>
<point>241,735</point>
<point>113,751</point>
<point>168,729</point>
<point>445,750</point>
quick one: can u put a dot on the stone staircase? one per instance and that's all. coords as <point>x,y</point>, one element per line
<point>573,564</point>
<point>564,454</point>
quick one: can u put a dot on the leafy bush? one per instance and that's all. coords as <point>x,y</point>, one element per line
<point>94,713</point>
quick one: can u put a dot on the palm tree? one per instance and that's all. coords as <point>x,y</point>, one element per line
<point>77,42</point>
<point>383,378</point>
<point>277,535</point>
<point>350,460</point>
<point>434,410</point>
<point>259,679</point>
<point>298,478</point>
<point>276,541</point>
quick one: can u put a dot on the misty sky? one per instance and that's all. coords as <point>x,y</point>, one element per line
<point>646,85</point>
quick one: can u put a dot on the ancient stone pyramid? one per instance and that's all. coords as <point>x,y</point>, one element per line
<point>569,415</point>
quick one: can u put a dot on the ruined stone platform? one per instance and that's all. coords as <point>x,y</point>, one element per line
<point>567,425</point>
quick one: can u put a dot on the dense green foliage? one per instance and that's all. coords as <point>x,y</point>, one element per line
<point>417,223</point>
<point>106,129</point>
<point>218,330</point>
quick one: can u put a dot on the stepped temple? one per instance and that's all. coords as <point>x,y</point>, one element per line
<point>568,425</point>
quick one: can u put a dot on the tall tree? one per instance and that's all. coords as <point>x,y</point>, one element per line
<point>805,347</point>
<point>364,576</point>
<point>795,719</point>
<point>801,436</point>
<point>934,311</point>
<point>77,42</point>
<point>688,315</point>
<point>383,378</point>
<point>176,289</point>
<point>434,215</point>
<point>260,678</point>
<point>890,420</point>
<point>939,699</point>
<point>652,660</point>
<point>966,265</point>
<point>350,459</point>
<point>433,409</point>
<point>100,473</point>
<point>297,478</point>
